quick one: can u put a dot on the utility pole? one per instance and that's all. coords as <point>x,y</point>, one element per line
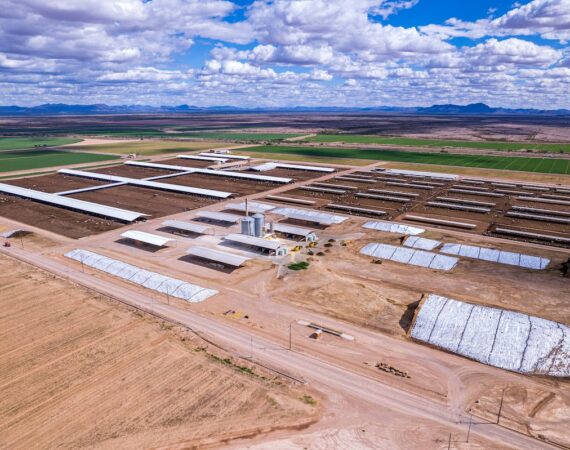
<point>290,334</point>
<point>469,430</point>
<point>501,406</point>
<point>449,442</point>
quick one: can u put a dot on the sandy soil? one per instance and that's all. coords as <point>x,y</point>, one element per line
<point>91,374</point>
<point>549,410</point>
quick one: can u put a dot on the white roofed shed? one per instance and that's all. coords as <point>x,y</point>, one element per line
<point>147,238</point>
<point>72,203</point>
<point>218,256</point>
<point>264,244</point>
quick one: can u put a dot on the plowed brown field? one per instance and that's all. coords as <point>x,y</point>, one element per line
<point>79,371</point>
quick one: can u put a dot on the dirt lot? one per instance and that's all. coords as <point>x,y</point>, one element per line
<point>61,221</point>
<point>347,285</point>
<point>485,223</point>
<point>79,371</point>
<point>134,171</point>
<point>188,162</point>
<point>234,185</point>
<point>148,201</point>
<point>548,409</point>
<point>297,175</point>
<point>55,183</point>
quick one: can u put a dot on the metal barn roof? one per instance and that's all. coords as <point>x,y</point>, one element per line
<point>310,215</point>
<point>225,155</point>
<point>217,255</point>
<point>224,173</point>
<point>192,227</point>
<point>203,158</point>
<point>254,241</point>
<point>220,216</point>
<point>291,229</point>
<point>415,173</point>
<point>72,203</point>
<point>253,207</point>
<point>308,168</point>
<point>148,184</point>
<point>147,238</point>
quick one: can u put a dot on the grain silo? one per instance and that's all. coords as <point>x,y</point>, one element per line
<point>248,226</point>
<point>258,225</point>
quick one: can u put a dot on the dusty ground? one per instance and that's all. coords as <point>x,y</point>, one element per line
<point>55,183</point>
<point>66,222</point>
<point>548,410</point>
<point>148,201</point>
<point>79,371</point>
<point>485,223</point>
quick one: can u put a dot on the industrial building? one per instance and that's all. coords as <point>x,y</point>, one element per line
<point>262,245</point>
<point>292,232</point>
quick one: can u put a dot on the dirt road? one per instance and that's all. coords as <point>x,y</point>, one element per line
<point>322,375</point>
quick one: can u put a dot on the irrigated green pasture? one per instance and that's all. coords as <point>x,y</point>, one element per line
<point>150,147</point>
<point>229,136</point>
<point>483,145</point>
<point>541,165</point>
<point>22,143</point>
<point>37,159</point>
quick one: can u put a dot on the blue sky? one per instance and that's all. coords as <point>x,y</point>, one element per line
<point>286,52</point>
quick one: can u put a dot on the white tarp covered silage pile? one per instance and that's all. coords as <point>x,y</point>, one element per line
<point>498,256</point>
<point>150,280</point>
<point>421,243</point>
<point>391,227</point>
<point>411,256</point>
<point>505,339</point>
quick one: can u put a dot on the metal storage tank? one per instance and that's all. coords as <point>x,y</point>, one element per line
<point>248,226</point>
<point>259,224</point>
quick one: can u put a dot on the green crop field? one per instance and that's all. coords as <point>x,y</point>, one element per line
<point>228,136</point>
<point>540,165</point>
<point>150,147</point>
<point>483,145</point>
<point>37,159</point>
<point>27,143</point>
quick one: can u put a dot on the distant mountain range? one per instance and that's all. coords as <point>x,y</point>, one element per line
<point>101,109</point>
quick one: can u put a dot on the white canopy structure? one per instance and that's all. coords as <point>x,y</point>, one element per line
<point>293,230</point>
<point>219,216</point>
<point>72,203</point>
<point>223,173</point>
<point>218,256</point>
<point>147,238</point>
<point>253,207</point>
<point>203,158</point>
<point>310,215</point>
<point>186,226</point>
<point>277,165</point>
<point>225,155</point>
<point>265,244</point>
<point>147,184</point>
<point>416,173</point>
